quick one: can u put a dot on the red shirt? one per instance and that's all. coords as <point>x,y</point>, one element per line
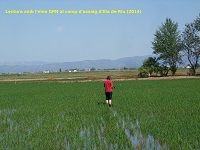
<point>108,85</point>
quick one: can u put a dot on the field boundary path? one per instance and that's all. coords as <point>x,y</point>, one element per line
<point>77,79</point>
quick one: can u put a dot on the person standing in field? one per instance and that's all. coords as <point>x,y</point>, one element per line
<point>108,86</point>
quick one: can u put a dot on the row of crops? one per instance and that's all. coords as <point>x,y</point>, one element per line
<point>161,114</point>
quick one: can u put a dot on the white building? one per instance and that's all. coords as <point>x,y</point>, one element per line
<point>188,67</point>
<point>46,71</point>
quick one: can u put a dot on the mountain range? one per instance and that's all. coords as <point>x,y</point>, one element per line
<point>101,64</point>
<point>37,66</point>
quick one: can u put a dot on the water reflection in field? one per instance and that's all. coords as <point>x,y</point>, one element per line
<point>131,130</point>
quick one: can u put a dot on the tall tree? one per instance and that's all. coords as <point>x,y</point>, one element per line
<point>191,43</point>
<point>167,44</point>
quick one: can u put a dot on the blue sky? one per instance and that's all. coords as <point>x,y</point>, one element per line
<point>68,37</point>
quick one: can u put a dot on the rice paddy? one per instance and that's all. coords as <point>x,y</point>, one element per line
<point>153,114</point>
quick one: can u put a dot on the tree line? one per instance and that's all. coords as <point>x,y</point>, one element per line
<point>170,46</point>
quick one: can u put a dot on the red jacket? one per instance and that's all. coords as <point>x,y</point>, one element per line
<point>108,85</point>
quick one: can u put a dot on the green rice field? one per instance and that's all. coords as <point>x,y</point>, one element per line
<point>146,114</point>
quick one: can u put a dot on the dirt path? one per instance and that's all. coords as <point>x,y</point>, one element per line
<point>168,78</point>
<point>88,80</point>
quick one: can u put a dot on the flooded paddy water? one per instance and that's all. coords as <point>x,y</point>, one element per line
<point>97,137</point>
<point>90,137</point>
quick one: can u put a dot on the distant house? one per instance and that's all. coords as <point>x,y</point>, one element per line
<point>72,70</point>
<point>188,67</point>
<point>75,71</point>
<point>86,69</point>
<point>46,71</point>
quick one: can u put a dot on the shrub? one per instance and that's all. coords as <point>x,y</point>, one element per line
<point>143,73</point>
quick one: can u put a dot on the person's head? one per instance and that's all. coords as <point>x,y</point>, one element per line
<point>108,78</point>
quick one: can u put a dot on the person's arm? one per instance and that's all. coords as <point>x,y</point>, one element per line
<point>112,85</point>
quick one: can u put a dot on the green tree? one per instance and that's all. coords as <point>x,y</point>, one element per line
<point>163,70</point>
<point>92,69</point>
<point>191,43</point>
<point>151,65</point>
<point>167,44</point>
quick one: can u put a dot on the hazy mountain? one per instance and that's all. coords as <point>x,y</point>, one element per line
<point>128,62</point>
<point>37,66</point>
